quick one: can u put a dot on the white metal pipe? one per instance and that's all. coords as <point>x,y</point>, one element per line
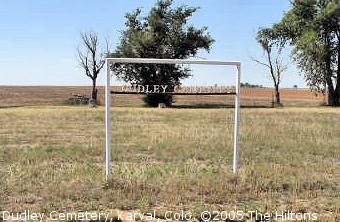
<point>108,121</point>
<point>170,61</point>
<point>237,120</point>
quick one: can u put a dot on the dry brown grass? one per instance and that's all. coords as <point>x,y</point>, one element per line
<point>51,158</point>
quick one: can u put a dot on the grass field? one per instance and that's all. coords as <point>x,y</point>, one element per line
<point>52,158</point>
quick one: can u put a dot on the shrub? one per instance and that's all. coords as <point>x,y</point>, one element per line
<point>77,99</point>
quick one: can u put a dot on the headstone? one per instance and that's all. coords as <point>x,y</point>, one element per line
<point>161,105</point>
<point>92,103</point>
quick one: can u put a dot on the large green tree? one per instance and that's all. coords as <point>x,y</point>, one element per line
<point>163,33</point>
<point>312,28</point>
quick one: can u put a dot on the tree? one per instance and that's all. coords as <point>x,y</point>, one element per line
<point>273,60</point>
<point>163,33</point>
<point>312,28</point>
<point>90,59</point>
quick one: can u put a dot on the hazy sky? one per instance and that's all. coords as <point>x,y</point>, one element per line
<point>38,38</point>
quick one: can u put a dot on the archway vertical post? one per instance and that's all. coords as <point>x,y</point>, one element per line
<point>237,120</point>
<point>107,121</point>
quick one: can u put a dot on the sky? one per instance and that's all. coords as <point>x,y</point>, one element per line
<point>39,38</point>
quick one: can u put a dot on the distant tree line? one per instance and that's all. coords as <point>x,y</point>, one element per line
<point>248,85</point>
